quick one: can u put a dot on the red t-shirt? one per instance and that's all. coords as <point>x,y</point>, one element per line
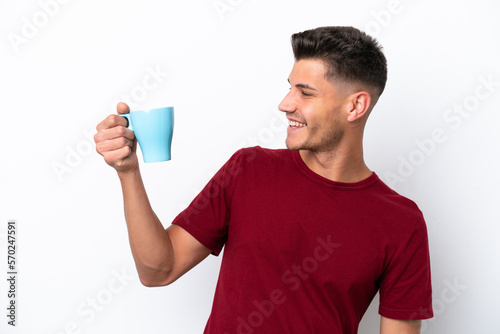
<point>304,254</point>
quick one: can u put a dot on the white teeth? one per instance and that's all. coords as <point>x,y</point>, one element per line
<point>295,124</point>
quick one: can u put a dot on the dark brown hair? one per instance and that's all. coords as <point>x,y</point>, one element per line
<point>351,55</point>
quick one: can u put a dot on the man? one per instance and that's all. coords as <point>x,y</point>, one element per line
<point>310,232</point>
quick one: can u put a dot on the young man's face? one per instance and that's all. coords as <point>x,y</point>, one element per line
<point>313,108</point>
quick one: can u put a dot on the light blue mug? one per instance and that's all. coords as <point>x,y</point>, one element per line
<point>153,130</point>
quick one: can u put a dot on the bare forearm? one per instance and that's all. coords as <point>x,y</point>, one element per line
<point>392,326</point>
<point>151,246</point>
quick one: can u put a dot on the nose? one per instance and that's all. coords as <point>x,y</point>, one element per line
<point>287,105</point>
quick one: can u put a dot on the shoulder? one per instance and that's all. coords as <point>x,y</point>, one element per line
<point>257,164</point>
<point>260,155</point>
<point>396,207</point>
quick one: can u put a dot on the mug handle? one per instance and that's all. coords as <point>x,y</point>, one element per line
<point>129,120</point>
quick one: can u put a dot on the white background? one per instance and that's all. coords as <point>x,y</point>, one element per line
<point>225,72</point>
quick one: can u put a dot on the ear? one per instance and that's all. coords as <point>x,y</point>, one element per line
<point>359,105</point>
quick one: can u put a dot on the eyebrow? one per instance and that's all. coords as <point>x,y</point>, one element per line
<point>300,85</point>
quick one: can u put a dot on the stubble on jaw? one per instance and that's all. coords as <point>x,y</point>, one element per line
<point>327,143</point>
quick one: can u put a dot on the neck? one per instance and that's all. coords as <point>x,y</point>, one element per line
<point>337,165</point>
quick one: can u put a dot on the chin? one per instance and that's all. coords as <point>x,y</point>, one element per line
<point>293,146</point>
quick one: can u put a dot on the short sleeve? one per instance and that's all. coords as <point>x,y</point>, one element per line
<point>208,215</point>
<point>405,288</point>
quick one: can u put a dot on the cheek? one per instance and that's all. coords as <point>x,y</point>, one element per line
<point>332,118</point>
<point>313,128</point>
<point>326,126</point>
<point>319,121</point>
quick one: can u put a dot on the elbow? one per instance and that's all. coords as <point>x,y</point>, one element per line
<point>151,284</point>
<point>156,279</point>
<point>148,282</point>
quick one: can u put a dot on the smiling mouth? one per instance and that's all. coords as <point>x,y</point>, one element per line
<point>295,124</point>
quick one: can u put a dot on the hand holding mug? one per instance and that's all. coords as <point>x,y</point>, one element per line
<point>116,136</point>
<point>115,142</point>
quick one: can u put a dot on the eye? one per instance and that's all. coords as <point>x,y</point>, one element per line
<point>306,94</point>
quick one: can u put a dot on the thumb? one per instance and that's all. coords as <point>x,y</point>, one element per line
<point>122,108</point>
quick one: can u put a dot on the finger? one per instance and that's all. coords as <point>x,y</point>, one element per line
<point>118,131</point>
<point>122,108</point>
<point>113,133</point>
<point>112,145</point>
<point>116,156</point>
<point>112,121</point>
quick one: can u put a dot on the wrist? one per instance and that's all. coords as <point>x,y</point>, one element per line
<point>132,173</point>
